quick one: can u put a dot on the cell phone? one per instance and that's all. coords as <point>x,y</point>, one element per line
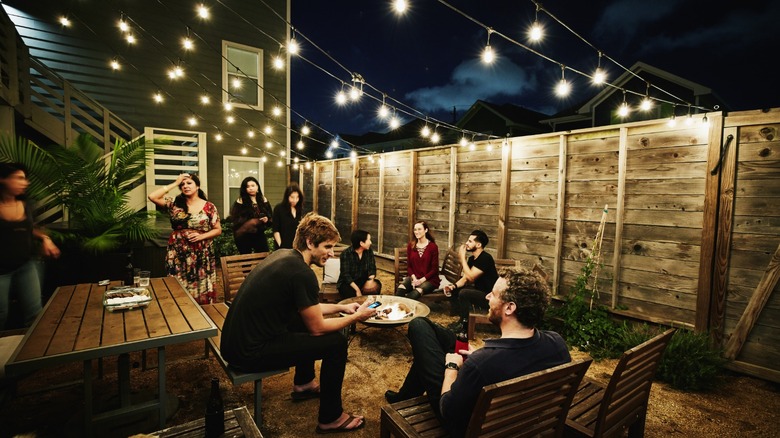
<point>374,305</point>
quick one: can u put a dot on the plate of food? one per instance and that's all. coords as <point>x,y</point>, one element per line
<point>126,297</point>
<point>391,310</point>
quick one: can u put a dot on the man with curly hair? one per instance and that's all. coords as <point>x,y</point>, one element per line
<point>517,304</point>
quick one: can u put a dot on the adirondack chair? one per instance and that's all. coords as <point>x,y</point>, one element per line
<point>330,275</point>
<point>607,411</point>
<point>532,405</point>
<point>235,268</point>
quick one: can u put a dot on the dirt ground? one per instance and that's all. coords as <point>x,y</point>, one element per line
<point>378,360</point>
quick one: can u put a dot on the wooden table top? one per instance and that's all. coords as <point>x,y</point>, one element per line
<point>74,326</point>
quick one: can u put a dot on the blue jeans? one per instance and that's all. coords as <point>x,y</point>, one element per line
<point>25,283</point>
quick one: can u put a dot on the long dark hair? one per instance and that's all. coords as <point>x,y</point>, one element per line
<point>293,187</point>
<point>245,198</point>
<point>181,200</point>
<point>6,169</point>
<point>428,234</point>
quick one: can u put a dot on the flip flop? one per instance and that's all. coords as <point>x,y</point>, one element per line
<point>308,394</point>
<point>342,427</point>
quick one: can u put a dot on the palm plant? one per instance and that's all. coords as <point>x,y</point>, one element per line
<point>92,187</point>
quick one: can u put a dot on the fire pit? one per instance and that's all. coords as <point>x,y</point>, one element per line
<point>393,311</point>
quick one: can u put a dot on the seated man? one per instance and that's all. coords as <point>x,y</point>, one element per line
<point>276,321</point>
<point>517,305</point>
<point>358,268</point>
<point>479,276</point>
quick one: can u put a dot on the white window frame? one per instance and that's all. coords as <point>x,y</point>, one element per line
<point>225,178</point>
<point>225,76</point>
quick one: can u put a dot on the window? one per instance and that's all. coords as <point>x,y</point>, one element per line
<point>242,75</point>
<point>235,169</point>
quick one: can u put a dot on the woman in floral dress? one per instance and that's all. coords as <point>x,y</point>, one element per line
<point>195,221</point>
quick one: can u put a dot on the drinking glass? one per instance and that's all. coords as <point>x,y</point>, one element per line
<point>143,280</point>
<point>136,277</point>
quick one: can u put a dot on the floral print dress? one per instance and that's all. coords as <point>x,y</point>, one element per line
<point>194,264</point>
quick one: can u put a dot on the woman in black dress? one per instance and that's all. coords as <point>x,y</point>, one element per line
<point>251,214</point>
<point>287,215</point>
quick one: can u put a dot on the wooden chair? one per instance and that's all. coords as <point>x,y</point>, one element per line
<point>400,262</point>
<point>451,270</point>
<point>482,318</point>
<point>328,291</point>
<point>607,411</point>
<point>532,405</point>
<point>235,268</point>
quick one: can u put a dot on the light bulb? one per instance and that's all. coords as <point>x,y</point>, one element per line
<point>488,56</point>
<point>123,27</point>
<point>623,110</point>
<point>341,97</point>
<point>295,166</point>
<point>463,141</point>
<point>563,88</point>
<point>329,153</point>
<point>278,62</point>
<point>231,119</point>
<point>400,6</point>
<point>334,143</point>
<point>672,121</point>
<point>264,159</point>
<point>203,11</point>
<point>383,111</point>
<point>236,83</point>
<point>646,104</point>
<point>65,21</point>
<point>394,122</point>
<point>426,131</point>
<point>305,130</point>
<point>354,93</point>
<point>243,151</point>
<point>435,138</point>
<point>130,38</point>
<point>218,137</point>
<point>299,145</point>
<point>158,98</point>
<point>251,134</point>
<point>599,76</point>
<point>308,165</point>
<point>536,32</point>
<point>115,64</point>
<point>192,121</point>
<point>228,106</point>
<point>268,145</point>
<point>187,44</point>
<point>205,99</point>
<point>268,129</point>
<point>279,163</point>
<point>352,154</point>
<point>276,111</point>
<point>282,154</point>
<point>293,48</point>
<point>472,146</point>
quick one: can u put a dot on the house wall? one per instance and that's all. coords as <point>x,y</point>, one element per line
<point>541,200</point>
<point>81,54</point>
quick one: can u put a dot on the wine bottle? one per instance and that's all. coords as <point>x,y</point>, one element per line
<point>129,270</point>
<point>215,412</point>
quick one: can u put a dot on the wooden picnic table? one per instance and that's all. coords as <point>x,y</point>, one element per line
<point>75,326</point>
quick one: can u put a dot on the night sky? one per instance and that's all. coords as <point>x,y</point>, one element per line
<point>429,58</point>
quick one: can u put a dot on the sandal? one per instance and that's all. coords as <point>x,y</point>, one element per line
<point>343,426</point>
<point>307,394</point>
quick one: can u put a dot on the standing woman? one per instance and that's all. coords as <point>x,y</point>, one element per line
<point>422,257</point>
<point>195,221</point>
<point>251,215</point>
<point>287,215</point>
<point>18,273</point>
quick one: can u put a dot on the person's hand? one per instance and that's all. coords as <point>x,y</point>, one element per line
<point>193,235</point>
<point>447,290</point>
<point>350,307</point>
<point>49,249</point>
<point>454,358</point>
<point>462,250</point>
<point>180,178</point>
<point>362,313</point>
<point>263,220</point>
<point>464,353</point>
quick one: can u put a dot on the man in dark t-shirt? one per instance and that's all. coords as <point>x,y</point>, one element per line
<point>479,276</point>
<point>276,321</point>
<point>517,304</point>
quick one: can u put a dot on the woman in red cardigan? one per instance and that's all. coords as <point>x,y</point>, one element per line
<point>422,264</point>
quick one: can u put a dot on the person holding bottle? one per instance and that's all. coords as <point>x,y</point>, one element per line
<point>251,214</point>
<point>195,221</point>
<point>422,258</point>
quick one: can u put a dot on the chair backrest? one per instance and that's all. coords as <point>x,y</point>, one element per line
<point>401,266</point>
<point>628,389</point>
<point>332,268</point>
<point>532,405</point>
<point>235,268</point>
<point>451,268</point>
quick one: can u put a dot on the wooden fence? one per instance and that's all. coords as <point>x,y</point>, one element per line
<point>681,245</point>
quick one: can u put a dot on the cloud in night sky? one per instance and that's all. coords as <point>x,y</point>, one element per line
<point>472,80</point>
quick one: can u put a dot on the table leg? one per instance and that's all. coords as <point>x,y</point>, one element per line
<point>161,384</point>
<point>123,378</point>
<point>88,398</point>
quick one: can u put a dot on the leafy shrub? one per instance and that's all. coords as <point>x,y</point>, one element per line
<point>690,363</point>
<point>225,243</point>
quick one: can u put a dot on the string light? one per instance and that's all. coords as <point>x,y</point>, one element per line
<point>564,87</point>
<point>488,56</point>
<point>435,138</point>
<point>278,61</point>
<point>673,119</point>
<point>264,158</point>
<point>356,91</point>
<point>400,6</point>
<point>299,145</point>
<point>704,120</point>
<point>268,129</point>
<point>383,112</point>
<point>218,137</point>
<point>251,133</point>
<point>228,106</point>
<point>689,118</point>
<point>395,122</point>
<point>276,111</point>
<point>536,31</point>
<point>329,153</point>
<point>187,43</point>
<point>425,132</point>
<point>230,120</point>
<point>623,110</point>
<point>115,64</point>
<point>599,76</point>
<point>305,130</point>
<point>65,21</point>
<point>130,38</point>
<point>268,145</point>
<point>647,103</point>
<point>203,11</point>
<point>341,97</point>
<point>192,121</point>
<point>205,99</point>
<point>243,151</point>
<point>463,141</point>
<point>158,97</point>
<point>293,48</point>
<point>123,26</point>
<point>237,83</point>
<point>308,165</point>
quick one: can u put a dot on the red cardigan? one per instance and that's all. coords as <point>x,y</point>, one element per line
<point>426,266</point>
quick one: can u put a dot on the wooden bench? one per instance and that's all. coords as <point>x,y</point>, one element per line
<point>532,405</point>
<point>235,268</point>
<point>217,313</point>
<point>328,291</point>
<point>238,423</point>
<point>607,411</point>
<point>482,318</point>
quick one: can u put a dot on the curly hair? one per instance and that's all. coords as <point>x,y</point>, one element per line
<point>316,229</point>
<point>530,293</point>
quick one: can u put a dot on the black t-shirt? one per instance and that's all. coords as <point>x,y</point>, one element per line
<point>270,298</point>
<point>17,236</point>
<point>285,224</point>
<point>487,265</point>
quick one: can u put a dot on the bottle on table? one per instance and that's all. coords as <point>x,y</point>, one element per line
<point>129,272</point>
<point>215,412</point>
